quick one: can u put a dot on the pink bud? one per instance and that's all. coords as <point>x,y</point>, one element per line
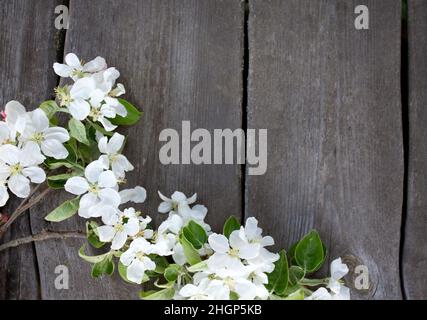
<point>3,115</point>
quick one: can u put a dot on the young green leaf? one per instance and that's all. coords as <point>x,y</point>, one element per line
<point>58,181</point>
<point>309,253</point>
<point>190,252</point>
<point>49,107</point>
<point>161,263</point>
<point>231,225</point>
<point>105,266</point>
<point>279,277</point>
<point>64,211</point>
<point>172,272</point>
<point>92,259</point>
<point>132,116</point>
<point>201,266</point>
<point>195,234</point>
<point>165,294</point>
<point>92,235</point>
<point>78,131</point>
<point>296,274</point>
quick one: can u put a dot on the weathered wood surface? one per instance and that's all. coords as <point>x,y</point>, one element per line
<point>27,51</point>
<point>329,96</point>
<point>415,244</point>
<point>168,54</point>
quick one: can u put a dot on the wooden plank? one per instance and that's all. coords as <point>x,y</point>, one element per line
<point>27,51</point>
<point>414,256</point>
<point>329,96</point>
<point>179,60</point>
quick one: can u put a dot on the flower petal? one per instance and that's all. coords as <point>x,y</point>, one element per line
<point>135,271</point>
<point>96,65</point>
<point>31,155</point>
<point>218,243</point>
<point>62,70</point>
<point>116,143</point>
<point>82,88</point>
<point>107,179</point>
<point>106,233</point>
<point>54,148</point>
<point>119,240</point>
<point>39,120</point>
<point>4,195</point>
<point>102,145</point>
<point>132,226</point>
<point>94,170</point>
<point>19,185</point>
<point>36,174</point>
<point>136,195</point>
<point>16,116</point>
<point>77,186</point>
<point>79,109</point>
<point>10,154</point>
<point>57,133</point>
<point>72,60</point>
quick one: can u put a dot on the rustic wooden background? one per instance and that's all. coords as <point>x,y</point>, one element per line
<point>345,109</point>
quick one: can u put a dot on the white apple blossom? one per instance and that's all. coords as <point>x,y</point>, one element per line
<point>320,294</point>
<point>137,261</point>
<point>20,166</point>
<point>50,139</point>
<point>75,98</point>
<point>206,290</point>
<point>16,120</point>
<point>122,225</point>
<point>73,67</point>
<point>177,203</point>
<point>135,195</point>
<point>97,188</point>
<point>111,154</point>
<point>338,271</point>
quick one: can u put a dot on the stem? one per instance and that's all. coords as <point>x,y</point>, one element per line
<point>24,206</point>
<point>42,236</point>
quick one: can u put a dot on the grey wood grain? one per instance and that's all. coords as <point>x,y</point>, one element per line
<point>179,60</point>
<point>414,259</point>
<point>27,51</point>
<point>329,96</point>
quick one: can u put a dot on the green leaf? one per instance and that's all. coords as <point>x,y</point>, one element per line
<point>131,118</point>
<point>309,253</point>
<point>195,234</point>
<point>234,295</point>
<point>49,107</point>
<point>92,259</point>
<point>201,266</point>
<point>92,235</point>
<point>231,225</point>
<point>58,181</point>
<point>165,294</point>
<point>296,274</point>
<point>161,263</point>
<point>190,252</point>
<point>105,266</point>
<point>279,277</point>
<point>172,272</point>
<point>64,211</point>
<point>297,295</point>
<point>78,131</point>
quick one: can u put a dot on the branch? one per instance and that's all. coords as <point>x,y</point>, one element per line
<point>24,206</point>
<point>42,236</point>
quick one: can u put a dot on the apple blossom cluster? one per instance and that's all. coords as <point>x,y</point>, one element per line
<point>79,151</point>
